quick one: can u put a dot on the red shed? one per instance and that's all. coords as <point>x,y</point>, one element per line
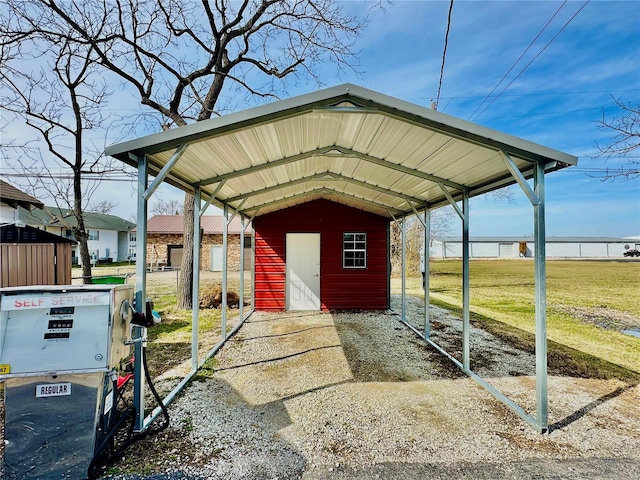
<point>321,255</point>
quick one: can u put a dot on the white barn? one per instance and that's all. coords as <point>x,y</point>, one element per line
<point>523,247</point>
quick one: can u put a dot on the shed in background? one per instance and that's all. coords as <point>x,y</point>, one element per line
<point>321,255</point>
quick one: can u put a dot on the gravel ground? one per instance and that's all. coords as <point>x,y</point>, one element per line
<point>357,395</point>
<point>309,396</point>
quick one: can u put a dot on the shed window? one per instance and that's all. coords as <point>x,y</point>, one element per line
<point>354,250</point>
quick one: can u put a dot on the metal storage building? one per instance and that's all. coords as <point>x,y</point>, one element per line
<point>347,145</point>
<point>524,247</point>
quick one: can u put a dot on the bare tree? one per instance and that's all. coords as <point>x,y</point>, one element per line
<point>61,100</point>
<point>168,207</point>
<point>625,129</point>
<point>190,60</point>
<point>103,207</point>
<point>440,225</point>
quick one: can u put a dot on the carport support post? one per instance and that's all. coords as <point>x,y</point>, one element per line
<point>425,253</point>
<point>141,294</point>
<point>404,259</point>
<point>241,288</point>
<point>465,280</point>
<point>225,242</point>
<point>541,300</point>
<point>195,288</point>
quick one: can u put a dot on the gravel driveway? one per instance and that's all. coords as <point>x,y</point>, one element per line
<point>357,395</point>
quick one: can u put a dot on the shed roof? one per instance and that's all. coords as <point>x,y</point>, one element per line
<point>17,198</point>
<point>174,225</point>
<point>344,143</point>
<point>10,233</point>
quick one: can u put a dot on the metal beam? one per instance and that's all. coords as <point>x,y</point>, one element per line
<point>427,272</point>
<point>195,287</point>
<point>466,307</point>
<point>541,300</point>
<point>404,267</point>
<point>321,191</point>
<point>517,175</point>
<point>265,166</point>
<point>212,197</point>
<point>225,254</point>
<point>400,168</point>
<point>141,294</point>
<point>343,153</point>
<point>320,177</point>
<point>241,286</point>
<point>162,174</point>
<point>452,202</point>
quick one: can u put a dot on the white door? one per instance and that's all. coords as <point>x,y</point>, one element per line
<point>303,271</point>
<point>215,256</point>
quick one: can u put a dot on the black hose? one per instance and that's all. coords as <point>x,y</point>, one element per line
<point>161,404</point>
<point>131,439</point>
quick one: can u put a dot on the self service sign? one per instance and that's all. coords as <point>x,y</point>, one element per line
<point>54,331</point>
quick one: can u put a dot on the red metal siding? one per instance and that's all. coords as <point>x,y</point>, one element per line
<point>340,288</point>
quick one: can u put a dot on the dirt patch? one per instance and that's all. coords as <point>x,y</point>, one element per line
<point>602,316</point>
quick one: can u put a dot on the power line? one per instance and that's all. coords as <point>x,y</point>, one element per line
<point>533,94</point>
<point>519,58</point>
<point>533,59</point>
<point>444,54</point>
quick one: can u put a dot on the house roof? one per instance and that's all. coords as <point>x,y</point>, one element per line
<point>174,224</point>
<point>10,233</point>
<point>63,217</point>
<point>344,143</point>
<point>17,198</point>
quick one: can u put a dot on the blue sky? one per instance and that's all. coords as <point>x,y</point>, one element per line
<point>556,100</point>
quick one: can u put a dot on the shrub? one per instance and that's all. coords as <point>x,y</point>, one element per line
<point>211,296</point>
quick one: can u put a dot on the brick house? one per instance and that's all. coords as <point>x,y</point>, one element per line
<point>164,242</point>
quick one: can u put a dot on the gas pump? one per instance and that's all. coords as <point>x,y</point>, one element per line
<point>61,350</point>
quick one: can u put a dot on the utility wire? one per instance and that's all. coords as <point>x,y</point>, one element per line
<point>519,58</point>
<point>533,59</point>
<point>444,54</point>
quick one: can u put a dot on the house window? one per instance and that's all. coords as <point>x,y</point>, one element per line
<point>354,250</point>
<point>93,234</point>
<point>132,236</point>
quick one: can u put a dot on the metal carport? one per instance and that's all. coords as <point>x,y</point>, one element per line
<point>357,147</point>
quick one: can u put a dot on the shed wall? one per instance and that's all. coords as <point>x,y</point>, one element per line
<point>340,288</point>
<point>26,264</point>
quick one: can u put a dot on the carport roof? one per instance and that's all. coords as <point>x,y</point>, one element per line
<point>345,143</point>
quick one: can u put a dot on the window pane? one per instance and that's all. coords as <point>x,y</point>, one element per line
<point>354,250</point>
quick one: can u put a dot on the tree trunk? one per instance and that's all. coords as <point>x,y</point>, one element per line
<point>83,249</point>
<point>185,289</point>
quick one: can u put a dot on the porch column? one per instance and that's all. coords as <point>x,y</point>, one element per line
<point>425,252</point>
<point>541,299</point>
<point>195,288</point>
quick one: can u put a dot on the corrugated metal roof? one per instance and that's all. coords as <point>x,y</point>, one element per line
<point>174,224</point>
<point>17,198</point>
<point>347,144</point>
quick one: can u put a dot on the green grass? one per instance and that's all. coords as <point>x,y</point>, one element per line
<point>503,291</point>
